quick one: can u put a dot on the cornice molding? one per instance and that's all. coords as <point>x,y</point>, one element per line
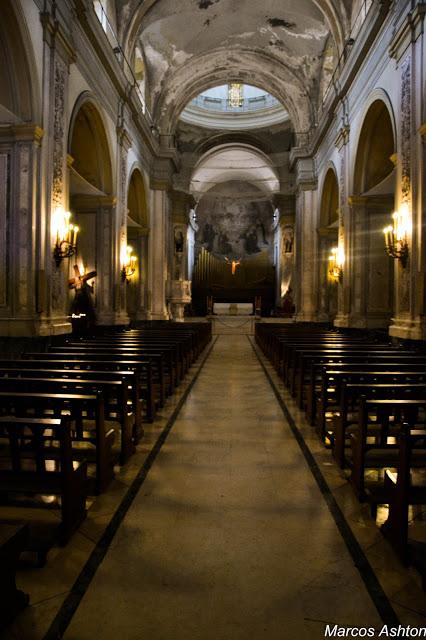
<point>408,32</point>
<point>89,203</point>
<point>21,132</point>
<point>56,38</point>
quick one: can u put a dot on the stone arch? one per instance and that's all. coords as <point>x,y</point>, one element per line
<point>214,68</point>
<point>241,137</point>
<point>264,177</point>
<point>91,200</point>
<point>18,88</point>
<point>137,238</point>
<point>328,229</point>
<point>88,145</point>
<point>136,197</point>
<point>374,183</point>
<point>375,143</point>
<point>329,203</point>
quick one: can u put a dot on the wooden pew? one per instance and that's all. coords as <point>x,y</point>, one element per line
<point>114,394</point>
<point>141,368</point>
<point>350,394</point>
<point>371,448</point>
<point>127,377</point>
<point>107,354</point>
<point>400,492</point>
<point>175,365</point>
<point>41,405</point>
<point>323,388</point>
<point>170,368</point>
<point>13,539</point>
<point>31,464</point>
<point>329,399</point>
<point>303,359</point>
<point>347,357</point>
<point>291,349</point>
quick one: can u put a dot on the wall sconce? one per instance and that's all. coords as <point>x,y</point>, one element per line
<point>65,235</point>
<point>129,265</point>
<point>396,235</point>
<point>336,261</point>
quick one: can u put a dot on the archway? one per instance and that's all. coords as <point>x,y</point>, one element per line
<point>19,175</point>
<point>234,186</point>
<point>137,238</point>
<point>91,201</point>
<point>328,234</point>
<point>372,204</point>
<point>16,88</point>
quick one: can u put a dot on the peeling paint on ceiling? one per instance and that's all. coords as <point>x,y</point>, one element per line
<point>295,29</point>
<point>279,22</point>
<point>205,4</point>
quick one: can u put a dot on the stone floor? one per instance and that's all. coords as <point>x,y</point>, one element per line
<point>229,536</point>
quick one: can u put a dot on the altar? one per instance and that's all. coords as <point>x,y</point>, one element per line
<point>233,308</point>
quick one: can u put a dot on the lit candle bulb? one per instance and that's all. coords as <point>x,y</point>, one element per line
<point>76,230</point>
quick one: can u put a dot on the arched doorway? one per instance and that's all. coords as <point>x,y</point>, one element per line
<point>20,300</point>
<point>137,238</point>
<point>92,204</point>
<point>372,205</point>
<point>327,238</point>
<point>16,100</point>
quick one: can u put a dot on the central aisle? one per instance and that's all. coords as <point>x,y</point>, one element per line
<point>229,537</point>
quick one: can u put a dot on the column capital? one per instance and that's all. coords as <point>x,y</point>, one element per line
<point>21,133</point>
<point>181,203</point>
<point>124,139</point>
<point>89,203</point>
<point>357,201</point>
<point>56,37</point>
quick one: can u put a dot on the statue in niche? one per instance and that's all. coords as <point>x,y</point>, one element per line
<point>82,308</point>
<point>179,241</point>
<point>209,235</point>
<point>261,228</point>
<point>251,240</point>
<point>224,245</point>
<point>288,303</point>
<point>288,239</point>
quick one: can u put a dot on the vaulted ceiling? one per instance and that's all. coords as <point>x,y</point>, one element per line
<point>189,45</point>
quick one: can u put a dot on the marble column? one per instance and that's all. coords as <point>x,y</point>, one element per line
<point>408,49</point>
<point>306,243</point>
<point>327,289</point>
<point>21,285</point>
<point>136,289</point>
<point>58,55</point>
<point>369,269</point>
<point>158,267</point>
<point>124,143</point>
<point>345,230</point>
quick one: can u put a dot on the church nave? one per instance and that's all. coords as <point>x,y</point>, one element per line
<point>229,535</point>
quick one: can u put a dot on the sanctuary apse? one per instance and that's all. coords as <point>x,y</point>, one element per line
<point>161,160</point>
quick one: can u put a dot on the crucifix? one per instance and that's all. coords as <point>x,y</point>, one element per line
<point>82,305</point>
<point>234,264</point>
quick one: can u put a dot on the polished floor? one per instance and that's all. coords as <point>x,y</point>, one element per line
<point>229,537</point>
